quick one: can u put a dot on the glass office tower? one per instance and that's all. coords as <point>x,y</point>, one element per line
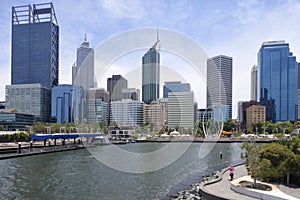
<point>277,81</point>
<point>151,74</point>
<point>35,35</point>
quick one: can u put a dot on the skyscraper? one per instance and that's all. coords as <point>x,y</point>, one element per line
<point>83,68</point>
<point>219,82</point>
<point>253,83</point>
<point>298,106</point>
<point>151,73</point>
<point>115,85</point>
<point>277,81</point>
<point>175,86</point>
<point>35,35</point>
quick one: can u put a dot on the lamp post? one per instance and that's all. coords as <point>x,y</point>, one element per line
<point>62,128</point>
<point>48,130</point>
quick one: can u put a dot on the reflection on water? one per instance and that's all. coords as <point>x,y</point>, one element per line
<point>78,175</point>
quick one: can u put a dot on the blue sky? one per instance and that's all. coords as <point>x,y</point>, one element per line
<point>234,28</point>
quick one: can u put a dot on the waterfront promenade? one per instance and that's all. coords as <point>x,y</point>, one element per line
<point>217,186</point>
<point>10,150</point>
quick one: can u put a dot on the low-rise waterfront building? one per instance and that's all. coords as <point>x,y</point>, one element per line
<point>33,99</point>
<point>11,120</point>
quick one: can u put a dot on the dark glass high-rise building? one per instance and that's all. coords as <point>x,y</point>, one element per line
<point>35,35</point>
<point>115,85</point>
<point>151,74</point>
<point>277,81</point>
<point>219,83</point>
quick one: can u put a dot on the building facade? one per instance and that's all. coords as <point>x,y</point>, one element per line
<point>154,115</point>
<point>253,86</point>
<point>35,45</point>
<point>98,105</point>
<point>127,113</point>
<point>181,110</point>
<point>219,82</point>
<point>151,74</point>
<point>14,121</point>
<point>131,93</point>
<point>277,81</point>
<point>255,113</point>
<point>298,106</point>
<point>204,115</point>
<point>67,104</point>
<point>115,85</point>
<point>175,86</point>
<point>83,68</point>
<point>34,99</point>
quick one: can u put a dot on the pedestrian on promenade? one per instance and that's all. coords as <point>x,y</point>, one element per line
<point>231,172</point>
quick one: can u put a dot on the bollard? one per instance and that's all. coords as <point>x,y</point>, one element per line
<point>31,144</point>
<point>55,142</point>
<point>44,143</point>
<point>19,147</point>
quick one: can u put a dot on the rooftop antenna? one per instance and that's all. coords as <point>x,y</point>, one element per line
<point>157,44</point>
<point>157,34</point>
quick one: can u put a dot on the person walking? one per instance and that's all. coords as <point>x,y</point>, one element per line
<point>231,172</point>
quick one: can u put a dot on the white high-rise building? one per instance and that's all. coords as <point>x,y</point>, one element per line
<point>219,83</point>
<point>253,83</point>
<point>181,110</point>
<point>83,68</point>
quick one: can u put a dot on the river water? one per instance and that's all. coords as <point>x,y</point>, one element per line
<point>79,175</point>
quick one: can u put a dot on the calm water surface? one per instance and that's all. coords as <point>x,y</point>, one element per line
<point>78,175</point>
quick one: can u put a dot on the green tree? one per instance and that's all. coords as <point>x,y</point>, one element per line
<point>39,127</point>
<point>229,125</point>
<point>259,126</point>
<point>252,156</point>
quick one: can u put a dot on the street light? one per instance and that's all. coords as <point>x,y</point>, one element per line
<point>62,128</point>
<point>48,130</point>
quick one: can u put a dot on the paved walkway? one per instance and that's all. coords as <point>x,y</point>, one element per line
<point>222,188</point>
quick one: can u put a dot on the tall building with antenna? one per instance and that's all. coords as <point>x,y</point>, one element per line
<point>83,68</point>
<point>151,73</point>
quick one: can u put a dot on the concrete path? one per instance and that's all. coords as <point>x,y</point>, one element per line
<point>222,188</point>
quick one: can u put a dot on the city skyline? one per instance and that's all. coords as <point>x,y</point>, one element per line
<point>250,23</point>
